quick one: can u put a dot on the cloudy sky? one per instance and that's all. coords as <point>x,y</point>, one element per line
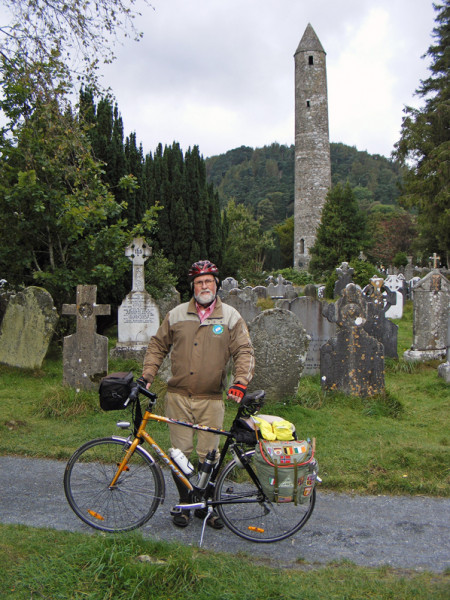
<point>220,73</point>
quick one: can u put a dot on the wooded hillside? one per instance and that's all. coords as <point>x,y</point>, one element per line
<point>263,178</point>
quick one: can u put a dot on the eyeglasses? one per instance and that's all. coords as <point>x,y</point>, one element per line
<point>207,282</point>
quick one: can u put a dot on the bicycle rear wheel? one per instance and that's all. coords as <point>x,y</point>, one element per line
<point>251,516</point>
<point>127,505</point>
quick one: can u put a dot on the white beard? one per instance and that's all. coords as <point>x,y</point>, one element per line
<point>204,297</point>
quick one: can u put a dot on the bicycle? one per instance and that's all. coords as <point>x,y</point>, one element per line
<point>114,484</point>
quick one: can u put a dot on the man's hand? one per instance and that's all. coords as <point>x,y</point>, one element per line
<point>144,382</point>
<point>237,392</point>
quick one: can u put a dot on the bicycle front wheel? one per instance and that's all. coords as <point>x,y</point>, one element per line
<point>249,514</point>
<point>130,503</point>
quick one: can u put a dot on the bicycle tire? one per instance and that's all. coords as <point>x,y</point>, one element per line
<point>132,501</point>
<point>259,520</point>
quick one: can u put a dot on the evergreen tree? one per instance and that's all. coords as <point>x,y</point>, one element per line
<point>425,142</point>
<point>341,234</point>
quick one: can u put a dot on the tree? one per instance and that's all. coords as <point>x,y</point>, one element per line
<point>285,234</point>
<point>246,244</point>
<point>80,32</point>
<point>391,233</point>
<point>63,225</point>
<point>425,145</point>
<point>341,234</point>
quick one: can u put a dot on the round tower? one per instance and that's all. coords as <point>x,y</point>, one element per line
<point>312,144</point>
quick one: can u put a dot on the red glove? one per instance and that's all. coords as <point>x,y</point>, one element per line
<point>237,389</point>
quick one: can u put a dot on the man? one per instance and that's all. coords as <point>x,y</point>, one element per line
<point>201,335</point>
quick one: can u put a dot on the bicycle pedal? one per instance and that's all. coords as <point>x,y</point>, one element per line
<point>176,510</point>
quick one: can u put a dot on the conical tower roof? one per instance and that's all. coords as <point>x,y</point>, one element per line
<point>310,41</point>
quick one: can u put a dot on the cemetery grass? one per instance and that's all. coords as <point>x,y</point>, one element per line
<point>56,564</point>
<point>394,444</point>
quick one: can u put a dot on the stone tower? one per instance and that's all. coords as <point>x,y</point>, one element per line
<point>312,144</point>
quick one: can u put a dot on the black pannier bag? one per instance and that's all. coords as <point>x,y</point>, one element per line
<point>114,390</point>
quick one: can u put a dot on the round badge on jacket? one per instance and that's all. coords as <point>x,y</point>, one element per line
<point>217,329</point>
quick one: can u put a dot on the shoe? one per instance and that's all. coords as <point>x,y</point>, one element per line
<point>181,518</point>
<point>213,521</point>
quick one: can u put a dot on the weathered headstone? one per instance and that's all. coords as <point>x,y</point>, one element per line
<point>430,316</point>
<point>85,353</point>
<point>345,276</point>
<point>409,269</point>
<point>318,327</point>
<point>280,343</point>
<point>244,301</point>
<point>382,329</point>
<point>352,361</point>
<point>138,315</point>
<point>27,328</point>
<point>444,368</point>
<point>229,283</point>
<point>278,289</point>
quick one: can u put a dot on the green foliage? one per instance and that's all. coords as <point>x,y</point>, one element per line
<point>425,142</point>
<point>246,244</point>
<point>54,206</point>
<point>363,272</point>
<point>83,32</point>
<point>391,233</point>
<point>284,233</point>
<point>294,276</point>
<point>400,259</point>
<point>341,234</point>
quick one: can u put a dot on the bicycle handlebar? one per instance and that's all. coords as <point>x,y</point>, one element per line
<point>250,404</point>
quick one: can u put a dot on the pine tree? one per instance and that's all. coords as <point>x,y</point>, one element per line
<point>425,142</point>
<point>342,231</point>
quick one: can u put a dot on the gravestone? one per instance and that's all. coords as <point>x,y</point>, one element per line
<point>310,290</point>
<point>260,291</point>
<point>352,361</point>
<point>244,301</point>
<point>27,328</point>
<point>138,315</point>
<point>85,353</point>
<point>382,329</point>
<point>229,283</point>
<point>277,289</point>
<point>309,312</point>
<point>444,368</point>
<point>409,269</point>
<point>430,316</point>
<point>396,284</point>
<point>280,344</point>
<point>345,276</point>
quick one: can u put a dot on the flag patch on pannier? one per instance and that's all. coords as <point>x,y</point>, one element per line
<point>287,470</point>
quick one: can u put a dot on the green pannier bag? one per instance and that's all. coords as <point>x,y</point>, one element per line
<point>287,470</point>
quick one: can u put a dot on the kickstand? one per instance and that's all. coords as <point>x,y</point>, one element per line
<point>210,510</point>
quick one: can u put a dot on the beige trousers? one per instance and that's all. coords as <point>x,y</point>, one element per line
<point>201,411</point>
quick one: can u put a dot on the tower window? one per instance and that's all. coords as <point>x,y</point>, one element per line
<point>302,246</point>
<point>308,104</point>
<point>310,60</point>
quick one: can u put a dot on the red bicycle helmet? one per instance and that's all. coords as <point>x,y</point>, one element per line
<point>203,267</point>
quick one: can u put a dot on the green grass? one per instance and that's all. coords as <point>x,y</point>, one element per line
<point>397,443</point>
<point>62,565</point>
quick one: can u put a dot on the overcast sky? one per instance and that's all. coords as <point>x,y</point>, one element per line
<point>220,73</point>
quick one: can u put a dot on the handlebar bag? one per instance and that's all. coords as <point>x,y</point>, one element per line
<point>287,470</point>
<point>114,390</point>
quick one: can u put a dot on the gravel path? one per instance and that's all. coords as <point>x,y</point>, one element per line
<point>402,532</point>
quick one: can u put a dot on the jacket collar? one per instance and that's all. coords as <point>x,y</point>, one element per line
<point>217,312</point>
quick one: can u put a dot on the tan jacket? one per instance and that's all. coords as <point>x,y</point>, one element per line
<point>200,352</point>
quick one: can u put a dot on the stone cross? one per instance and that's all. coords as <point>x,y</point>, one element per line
<point>138,252</point>
<point>85,353</point>
<point>435,259</point>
